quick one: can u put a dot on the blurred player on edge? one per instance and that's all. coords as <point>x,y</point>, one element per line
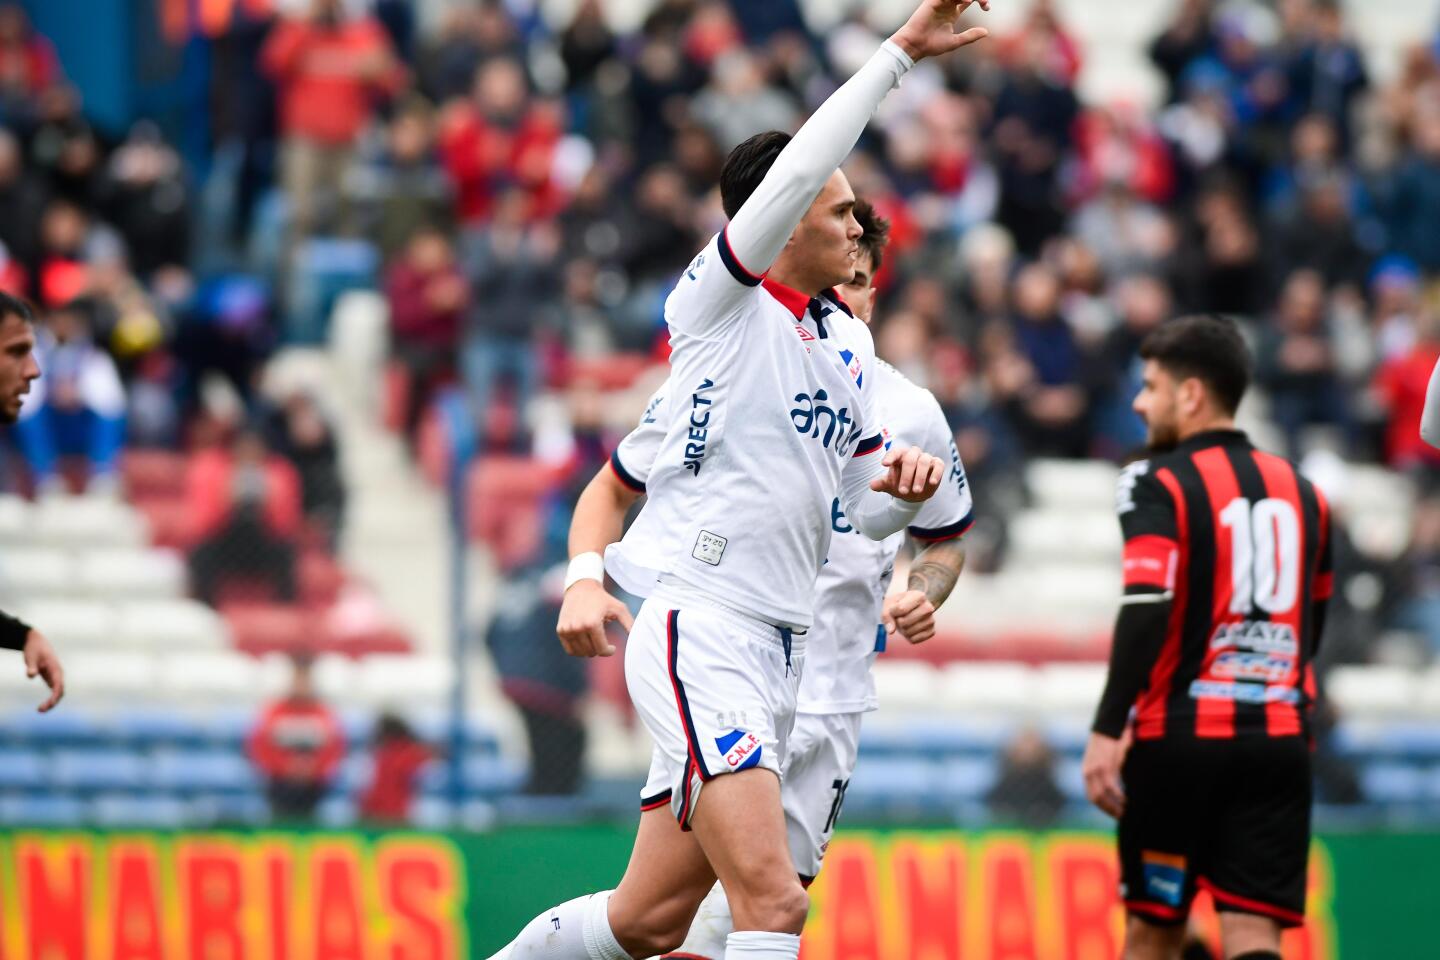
<point>768,425</point>
<point>836,688</point>
<point>1227,574</point>
<point>18,369</point>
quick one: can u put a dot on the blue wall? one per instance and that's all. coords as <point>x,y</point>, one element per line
<point>95,40</point>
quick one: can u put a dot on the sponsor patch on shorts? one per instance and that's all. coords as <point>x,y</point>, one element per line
<point>1164,876</point>
<point>742,750</point>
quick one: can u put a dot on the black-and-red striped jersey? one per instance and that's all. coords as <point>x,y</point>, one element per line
<point>1238,543</point>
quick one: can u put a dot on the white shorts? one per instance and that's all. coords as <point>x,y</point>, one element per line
<point>715,688</point>
<point>821,757</point>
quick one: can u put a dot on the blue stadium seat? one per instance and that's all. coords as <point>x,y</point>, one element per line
<point>151,727</point>
<point>1067,736</point>
<point>480,736</point>
<point>907,780</point>
<point>129,810</point>
<point>1069,779</point>
<point>41,810</point>
<point>229,728</point>
<point>98,770</point>
<point>221,809</point>
<point>432,813</point>
<point>61,728</point>
<point>336,811</point>
<point>1392,782</point>
<point>354,773</point>
<point>22,768</point>
<point>486,775</point>
<point>964,778</point>
<point>192,771</point>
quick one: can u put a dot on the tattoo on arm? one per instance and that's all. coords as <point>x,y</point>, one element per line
<point>936,569</point>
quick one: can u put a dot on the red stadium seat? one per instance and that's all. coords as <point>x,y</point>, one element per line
<point>395,396</point>
<point>153,474</point>
<point>261,628</point>
<point>616,371</point>
<point>169,520</point>
<point>320,578</point>
<point>503,500</point>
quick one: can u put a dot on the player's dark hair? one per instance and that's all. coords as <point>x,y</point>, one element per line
<point>13,306</point>
<point>1205,346</point>
<point>876,235</point>
<point>746,167</point>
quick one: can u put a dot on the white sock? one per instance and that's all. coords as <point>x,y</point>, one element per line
<point>712,924</point>
<point>577,929</point>
<point>758,945</point>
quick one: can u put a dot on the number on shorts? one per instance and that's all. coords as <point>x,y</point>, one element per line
<point>1264,555</point>
<point>840,787</point>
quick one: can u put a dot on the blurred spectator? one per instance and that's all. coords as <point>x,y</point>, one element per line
<point>64,147</point>
<point>1025,792</point>
<point>402,187</point>
<point>226,330</point>
<point>469,35</point>
<point>1415,193</point>
<point>1047,405</point>
<point>22,203</point>
<point>245,513</point>
<point>1419,569</point>
<point>739,102</point>
<point>1186,38</point>
<point>146,198</point>
<point>428,297</point>
<point>328,69</point>
<point>28,66</point>
<point>513,268</point>
<point>1327,72</point>
<point>586,45</point>
<point>1400,388</point>
<point>1034,116</point>
<point>1143,302</point>
<point>1220,261</point>
<point>498,139</point>
<point>298,745</point>
<point>1295,361</point>
<point>304,437</point>
<point>77,408</point>
<point>399,756</point>
<point>1320,234</point>
<point>65,235</point>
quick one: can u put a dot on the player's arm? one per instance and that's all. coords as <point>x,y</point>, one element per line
<point>1324,587</point>
<point>40,657</point>
<point>932,576</point>
<point>882,490</point>
<point>764,224</point>
<point>938,528</point>
<point>1151,562</point>
<point>1430,416</point>
<point>598,521</point>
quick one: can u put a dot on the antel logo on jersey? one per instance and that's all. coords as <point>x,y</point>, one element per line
<point>820,421</point>
<point>742,750</point>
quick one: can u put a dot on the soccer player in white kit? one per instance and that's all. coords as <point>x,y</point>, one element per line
<point>766,427</point>
<point>836,687</point>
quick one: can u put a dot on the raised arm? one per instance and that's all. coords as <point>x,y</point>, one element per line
<point>764,223</point>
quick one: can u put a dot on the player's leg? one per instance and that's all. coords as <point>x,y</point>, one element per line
<point>1148,940</point>
<point>1262,859</point>
<point>1247,936</point>
<point>1161,840</point>
<point>741,827</point>
<point>819,758</point>
<point>668,874</point>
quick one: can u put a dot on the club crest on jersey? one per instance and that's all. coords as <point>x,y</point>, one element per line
<point>742,750</point>
<point>852,363</point>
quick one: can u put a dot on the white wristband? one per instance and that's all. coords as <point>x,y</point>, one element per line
<point>586,566</point>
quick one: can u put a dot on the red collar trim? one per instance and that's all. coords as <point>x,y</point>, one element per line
<point>790,298</point>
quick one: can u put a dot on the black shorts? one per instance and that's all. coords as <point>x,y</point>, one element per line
<point>1228,816</point>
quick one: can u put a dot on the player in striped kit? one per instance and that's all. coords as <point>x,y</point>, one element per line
<point>1201,742</point>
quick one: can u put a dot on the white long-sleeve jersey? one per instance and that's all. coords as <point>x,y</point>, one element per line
<point>851,585</point>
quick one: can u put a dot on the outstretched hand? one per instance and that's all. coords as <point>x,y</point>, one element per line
<point>930,31</point>
<point>912,475</point>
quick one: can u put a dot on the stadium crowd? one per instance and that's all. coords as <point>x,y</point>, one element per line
<point>524,192</point>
